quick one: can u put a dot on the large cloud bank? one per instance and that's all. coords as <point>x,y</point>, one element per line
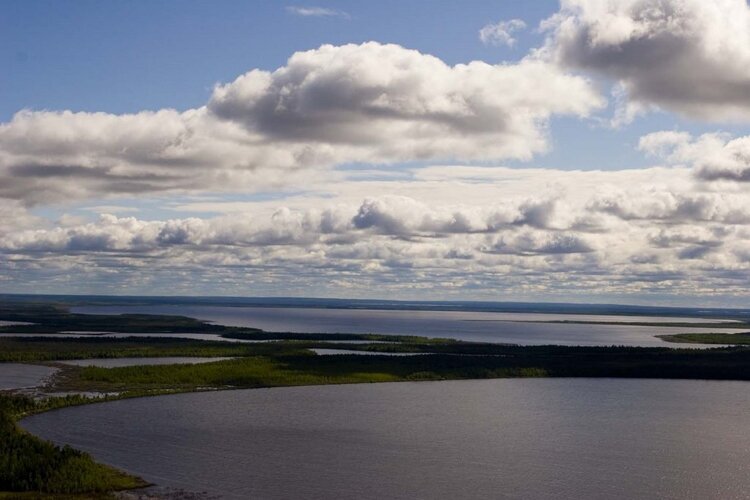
<point>687,56</point>
<point>675,230</point>
<point>354,103</point>
<point>491,231</point>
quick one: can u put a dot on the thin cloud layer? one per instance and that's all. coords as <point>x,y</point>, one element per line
<point>316,12</point>
<point>687,56</point>
<point>501,33</point>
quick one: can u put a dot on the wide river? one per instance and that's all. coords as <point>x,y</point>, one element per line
<point>515,328</point>
<point>507,438</point>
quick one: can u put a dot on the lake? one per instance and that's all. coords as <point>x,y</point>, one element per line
<point>515,328</point>
<point>82,335</point>
<point>21,376</point>
<point>506,438</point>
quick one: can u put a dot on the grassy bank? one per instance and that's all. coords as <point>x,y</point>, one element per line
<point>670,324</point>
<point>29,464</point>
<point>20,349</point>
<point>545,361</point>
<point>708,338</point>
<point>291,362</point>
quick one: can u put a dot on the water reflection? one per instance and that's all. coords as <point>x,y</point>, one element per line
<point>512,438</point>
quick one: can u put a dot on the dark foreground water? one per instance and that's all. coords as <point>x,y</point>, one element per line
<point>511,438</point>
<point>514,328</point>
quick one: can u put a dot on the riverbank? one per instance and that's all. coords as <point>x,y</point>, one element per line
<point>289,363</point>
<point>741,338</point>
<point>29,464</point>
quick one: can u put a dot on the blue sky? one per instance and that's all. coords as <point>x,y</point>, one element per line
<point>286,183</point>
<point>128,56</point>
<point>124,57</point>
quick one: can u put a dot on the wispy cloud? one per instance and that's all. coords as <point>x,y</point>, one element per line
<point>316,12</point>
<point>501,33</point>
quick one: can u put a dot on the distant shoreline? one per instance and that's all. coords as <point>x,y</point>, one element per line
<point>378,304</point>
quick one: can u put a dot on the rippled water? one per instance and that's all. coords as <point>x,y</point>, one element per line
<point>516,328</point>
<point>20,376</point>
<point>510,438</point>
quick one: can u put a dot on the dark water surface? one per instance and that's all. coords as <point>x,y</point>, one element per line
<point>508,438</point>
<point>82,335</point>
<point>515,328</point>
<point>22,376</point>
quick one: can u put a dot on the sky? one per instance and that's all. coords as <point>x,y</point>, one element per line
<point>578,151</point>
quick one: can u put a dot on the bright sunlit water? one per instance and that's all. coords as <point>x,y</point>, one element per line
<point>515,328</point>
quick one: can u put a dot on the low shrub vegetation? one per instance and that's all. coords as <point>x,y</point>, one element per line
<point>29,464</point>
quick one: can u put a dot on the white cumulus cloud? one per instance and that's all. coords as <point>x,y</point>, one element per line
<point>266,130</point>
<point>383,103</point>
<point>714,156</point>
<point>687,56</point>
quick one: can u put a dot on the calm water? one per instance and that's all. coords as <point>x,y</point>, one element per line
<point>20,376</point>
<point>339,352</point>
<point>190,336</point>
<point>511,438</point>
<point>11,323</point>
<point>117,362</point>
<point>465,325</point>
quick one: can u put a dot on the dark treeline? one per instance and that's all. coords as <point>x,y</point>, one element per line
<point>736,325</point>
<point>507,361</point>
<point>51,318</point>
<point>28,464</point>
<point>20,349</point>
<point>709,338</point>
<point>551,361</point>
